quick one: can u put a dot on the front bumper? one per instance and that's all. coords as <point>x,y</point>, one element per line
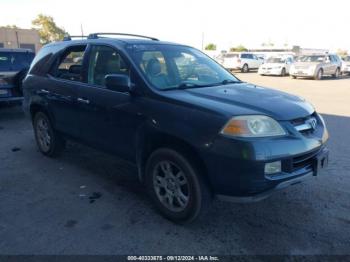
<point>236,166</point>
<point>273,71</point>
<point>302,73</point>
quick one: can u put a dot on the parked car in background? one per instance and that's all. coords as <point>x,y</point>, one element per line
<point>316,66</point>
<point>241,61</point>
<point>14,65</point>
<point>192,129</point>
<point>276,65</point>
<point>345,68</point>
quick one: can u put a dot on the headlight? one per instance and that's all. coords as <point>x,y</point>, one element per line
<point>252,126</point>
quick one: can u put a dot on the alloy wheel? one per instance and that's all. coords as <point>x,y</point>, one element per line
<point>43,134</point>
<point>171,186</point>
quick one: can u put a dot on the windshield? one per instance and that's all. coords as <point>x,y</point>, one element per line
<point>15,61</point>
<point>276,60</point>
<point>346,59</point>
<point>311,58</point>
<point>174,67</point>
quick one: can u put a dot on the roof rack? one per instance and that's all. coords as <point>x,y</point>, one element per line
<point>69,37</point>
<point>96,36</point>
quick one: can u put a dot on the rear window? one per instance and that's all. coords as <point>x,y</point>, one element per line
<point>15,61</point>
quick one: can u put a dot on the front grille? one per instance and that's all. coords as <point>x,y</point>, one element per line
<point>305,160</point>
<point>306,125</point>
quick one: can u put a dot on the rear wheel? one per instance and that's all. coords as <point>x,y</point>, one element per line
<point>49,142</point>
<point>245,68</point>
<point>319,74</point>
<point>175,186</point>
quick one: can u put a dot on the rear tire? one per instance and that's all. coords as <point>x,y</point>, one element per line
<point>175,186</point>
<point>49,142</point>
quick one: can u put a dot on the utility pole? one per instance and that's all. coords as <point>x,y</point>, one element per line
<point>82,31</point>
<point>202,41</point>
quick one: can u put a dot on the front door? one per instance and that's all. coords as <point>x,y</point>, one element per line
<point>109,118</point>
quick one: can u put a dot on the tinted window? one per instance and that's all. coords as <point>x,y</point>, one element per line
<point>69,64</point>
<point>15,61</point>
<point>103,61</point>
<point>244,56</point>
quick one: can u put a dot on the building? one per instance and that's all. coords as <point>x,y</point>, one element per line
<point>19,38</point>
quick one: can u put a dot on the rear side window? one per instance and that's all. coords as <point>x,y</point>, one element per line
<point>69,65</point>
<point>103,61</point>
<point>244,56</point>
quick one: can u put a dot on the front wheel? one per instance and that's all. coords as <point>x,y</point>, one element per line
<point>245,68</point>
<point>48,140</point>
<point>319,74</point>
<point>175,186</point>
<point>336,74</point>
<point>283,72</point>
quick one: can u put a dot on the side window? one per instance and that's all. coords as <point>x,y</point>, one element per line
<point>244,56</point>
<point>103,61</point>
<point>69,65</point>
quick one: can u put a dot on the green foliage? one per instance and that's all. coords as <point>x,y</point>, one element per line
<point>10,27</point>
<point>48,30</point>
<point>342,52</point>
<point>210,46</point>
<point>239,48</point>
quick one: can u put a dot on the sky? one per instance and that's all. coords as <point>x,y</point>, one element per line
<point>226,23</point>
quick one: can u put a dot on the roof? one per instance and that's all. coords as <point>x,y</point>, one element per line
<point>105,38</point>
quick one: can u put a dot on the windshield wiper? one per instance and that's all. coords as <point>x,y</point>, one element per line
<point>229,81</point>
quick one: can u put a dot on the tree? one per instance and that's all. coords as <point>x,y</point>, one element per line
<point>48,30</point>
<point>342,52</point>
<point>239,48</point>
<point>210,46</point>
<point>10,27</point>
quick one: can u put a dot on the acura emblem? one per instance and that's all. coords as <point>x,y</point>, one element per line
<point>312,122</point>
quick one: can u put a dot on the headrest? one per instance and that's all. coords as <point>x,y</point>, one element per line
<point>153,67</point>
<point>75,69</point>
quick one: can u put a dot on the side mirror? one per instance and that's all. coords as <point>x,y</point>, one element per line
<point>118,82</point>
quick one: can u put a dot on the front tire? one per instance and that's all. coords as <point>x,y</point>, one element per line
<point>319,74</point>
<point>175,186</point>
<point>283,72</point>
<point>245,68</point>
<point>336,74</point>
<point>49,142</point>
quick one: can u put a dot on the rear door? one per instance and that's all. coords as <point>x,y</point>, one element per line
<point>64,80</point>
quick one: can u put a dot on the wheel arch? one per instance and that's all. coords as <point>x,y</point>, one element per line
<point>150,141</point>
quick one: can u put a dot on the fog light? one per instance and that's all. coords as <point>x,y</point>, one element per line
<point>273,167</point>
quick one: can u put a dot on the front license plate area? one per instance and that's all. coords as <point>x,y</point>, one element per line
<point>321,163</point>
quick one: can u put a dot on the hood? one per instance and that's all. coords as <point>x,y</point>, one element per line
<point>245,99</point>
<point>273,64</point>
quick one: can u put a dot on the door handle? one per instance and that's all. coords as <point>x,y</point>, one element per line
<point>83,101</point>
<point>44,91</point>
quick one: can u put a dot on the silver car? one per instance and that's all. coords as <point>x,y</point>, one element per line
<point>316,66</point>
<point>346,65</point>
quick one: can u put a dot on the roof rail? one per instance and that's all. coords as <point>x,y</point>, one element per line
<point>69,37</point>
<point>96,35</point>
